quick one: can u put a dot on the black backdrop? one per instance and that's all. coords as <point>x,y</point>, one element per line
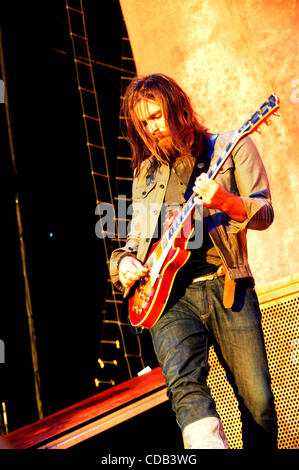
<point>57,198</point>
<point>65,260</point>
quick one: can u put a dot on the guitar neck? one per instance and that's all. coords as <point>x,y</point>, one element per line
<point>252,124</point>
<point>188,207</point>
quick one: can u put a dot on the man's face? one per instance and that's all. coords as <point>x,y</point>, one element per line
<point>151,117</point>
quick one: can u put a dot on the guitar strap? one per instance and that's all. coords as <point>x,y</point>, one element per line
<point>201,165</point>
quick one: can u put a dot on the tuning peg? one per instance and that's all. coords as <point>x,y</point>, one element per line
<point>277,113</point>
<point>258,130</point>
<point>268,122</point>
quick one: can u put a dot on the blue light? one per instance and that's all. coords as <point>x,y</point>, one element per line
<point>51,234</point>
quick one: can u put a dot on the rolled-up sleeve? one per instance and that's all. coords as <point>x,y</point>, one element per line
<point>129,248</point>
<point>253,187</point>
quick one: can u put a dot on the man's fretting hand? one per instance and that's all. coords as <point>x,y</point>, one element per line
<point>214,195</point>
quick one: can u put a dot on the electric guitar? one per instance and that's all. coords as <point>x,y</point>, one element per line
<point>149,295</point>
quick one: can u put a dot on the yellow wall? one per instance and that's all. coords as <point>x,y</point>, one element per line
<point>229,56</point>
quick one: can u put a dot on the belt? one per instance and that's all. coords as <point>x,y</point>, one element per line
<point>229,284</point>
<point>209,277</point>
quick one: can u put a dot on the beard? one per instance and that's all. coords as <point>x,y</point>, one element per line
<point>162,147</point>
<point>165,143</point>
<point>166,149</point>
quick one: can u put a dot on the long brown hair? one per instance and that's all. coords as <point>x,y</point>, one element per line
<point>187,133</point>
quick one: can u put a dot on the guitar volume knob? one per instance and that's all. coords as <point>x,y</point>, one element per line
<point>137,310</point>
<point>144,296</point>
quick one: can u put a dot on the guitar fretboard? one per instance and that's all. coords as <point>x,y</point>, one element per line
<point>251,124</point>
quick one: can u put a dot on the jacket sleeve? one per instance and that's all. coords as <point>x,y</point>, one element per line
<point>253,187</point>
<point>130,248</point>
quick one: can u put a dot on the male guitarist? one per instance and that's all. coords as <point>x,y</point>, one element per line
<point>212,300</point>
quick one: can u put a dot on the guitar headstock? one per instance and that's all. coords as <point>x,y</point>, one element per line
<point>270,107</point>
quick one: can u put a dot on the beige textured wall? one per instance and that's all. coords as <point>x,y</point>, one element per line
<point>230,56</point>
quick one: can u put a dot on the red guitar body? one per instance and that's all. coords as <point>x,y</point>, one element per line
<point>147,302</point>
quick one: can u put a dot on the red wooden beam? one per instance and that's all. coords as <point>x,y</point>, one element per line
<point>92,415</point>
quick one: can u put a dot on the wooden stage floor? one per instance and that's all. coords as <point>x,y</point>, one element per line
<point>93,415</point>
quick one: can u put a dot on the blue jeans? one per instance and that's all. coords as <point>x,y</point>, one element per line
<point>194,319</point>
